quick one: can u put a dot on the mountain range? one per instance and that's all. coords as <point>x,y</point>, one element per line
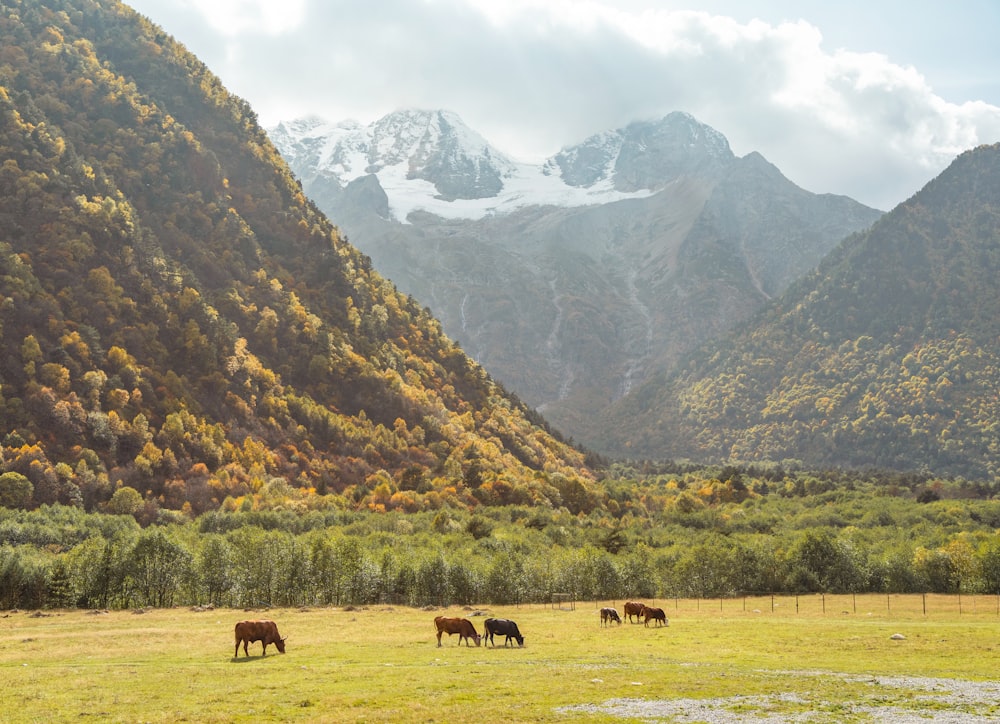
<point>184,329</point>
<point>576,279</point>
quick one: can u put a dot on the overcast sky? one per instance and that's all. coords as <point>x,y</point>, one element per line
<point>871,99</point>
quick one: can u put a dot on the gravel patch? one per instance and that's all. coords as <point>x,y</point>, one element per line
<point>943,701</point>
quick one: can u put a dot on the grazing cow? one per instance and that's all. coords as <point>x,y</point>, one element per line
<point>608,615</point>
<point>655,614</point>
<point>502,627</point>
<point>461,626</point>
<point>264,631</point>
<point>633,608</point>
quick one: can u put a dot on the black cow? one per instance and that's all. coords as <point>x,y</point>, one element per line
<point>608,615</point>
<point>502,627</point>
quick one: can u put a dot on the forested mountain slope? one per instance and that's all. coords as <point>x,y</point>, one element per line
<point>887,355</point>
<point>177,318</point>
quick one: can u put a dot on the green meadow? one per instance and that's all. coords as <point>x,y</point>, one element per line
<point>815,658</point>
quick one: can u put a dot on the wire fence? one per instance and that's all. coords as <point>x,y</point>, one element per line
<point>874,605</point>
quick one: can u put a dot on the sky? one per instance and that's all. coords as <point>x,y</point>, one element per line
<point>870,99</point>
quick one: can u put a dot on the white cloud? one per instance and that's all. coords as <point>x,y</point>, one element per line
<point>232,18</point>
<point>533,76</point>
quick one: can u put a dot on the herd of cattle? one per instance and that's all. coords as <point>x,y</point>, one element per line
<point>635,610</point>
<point>466,630</point>
<point>266,632</point>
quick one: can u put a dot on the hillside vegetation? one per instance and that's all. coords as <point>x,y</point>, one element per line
<point>179,326</point>
<point>886,356</point>
<point>656,533</point>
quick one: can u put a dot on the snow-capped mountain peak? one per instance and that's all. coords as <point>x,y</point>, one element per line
<point>644,154</point>
<point>432,161</point>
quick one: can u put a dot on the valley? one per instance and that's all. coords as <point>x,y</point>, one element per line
<point>573,298</point>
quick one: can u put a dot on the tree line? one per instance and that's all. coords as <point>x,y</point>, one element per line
<point>58,556</point>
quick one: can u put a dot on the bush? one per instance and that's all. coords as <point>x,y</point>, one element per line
<point>15,490</point>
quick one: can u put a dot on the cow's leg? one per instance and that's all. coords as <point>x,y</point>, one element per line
<point>263,651</point>
<point>237,652</point>
<point>439,639</point>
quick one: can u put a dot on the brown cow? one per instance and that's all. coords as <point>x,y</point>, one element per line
<point>461,626</point>
<point>655,614</point>
<point>264,631</point>
<point>633,608</point>
<point>608,615</point>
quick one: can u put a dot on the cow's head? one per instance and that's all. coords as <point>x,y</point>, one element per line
<point>520,640</point>
<point>280,643</point>
<point>478,638</point>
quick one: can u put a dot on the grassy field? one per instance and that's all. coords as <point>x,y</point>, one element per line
<point>817,658</point>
